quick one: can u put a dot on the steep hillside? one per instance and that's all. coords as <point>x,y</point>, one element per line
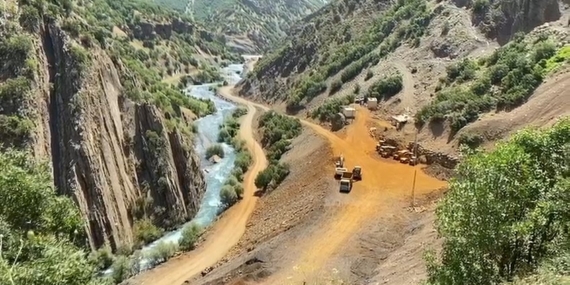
<point>80,90</point>
<point>252,26</point>
<point>410,55</point>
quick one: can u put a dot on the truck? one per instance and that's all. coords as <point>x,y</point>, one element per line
<point>357,173</point>
<point>346,182</point>
<point>339,171</point>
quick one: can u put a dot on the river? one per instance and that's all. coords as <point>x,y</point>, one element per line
<point>208,129</point>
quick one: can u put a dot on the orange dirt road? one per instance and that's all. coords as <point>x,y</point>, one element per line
<point>226,232</point>
<point>383,182</point>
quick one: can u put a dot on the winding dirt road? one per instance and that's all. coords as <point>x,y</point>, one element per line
<point>227,231</point>
<point>383,181</point>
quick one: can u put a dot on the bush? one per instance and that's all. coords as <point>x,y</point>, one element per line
<point>272,175</point>
<point>276,127</point>
<point>189,237</point>
<point>326,111</point>
<point>518,200</point>
<point>102,257</point>
<point>470,140</point>
<point>215,150</point>
<point>386,88</point>
<point>162,252</point>
<point>228,195</point>
<point>512,72</point>
<point>121,269</point>
<point>369,75</point>
<point>463,71</point>
<point>335,86</point>
<point>145,231</point>
<point>264,178</point>
<point>480,6</point>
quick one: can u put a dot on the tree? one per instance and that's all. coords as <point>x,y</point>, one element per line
<point>228,195</point>
<point>264,178</point>
<point>506,210</point>
<point>38,228</point>
<point>215,150</point>
<point>189,237</point>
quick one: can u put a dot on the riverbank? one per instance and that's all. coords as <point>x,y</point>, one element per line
<point>229,228</point>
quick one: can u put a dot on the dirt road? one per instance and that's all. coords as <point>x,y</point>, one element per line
<point>226,232</point>
<point>383,181</point>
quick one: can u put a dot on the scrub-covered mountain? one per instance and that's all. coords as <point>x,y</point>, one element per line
<point>410,55</point>
<point>81,86</point>
<point>252,25</point>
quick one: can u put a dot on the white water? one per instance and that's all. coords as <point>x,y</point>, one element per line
<point>208,129</point>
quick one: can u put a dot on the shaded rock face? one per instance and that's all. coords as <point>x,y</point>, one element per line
<point>108,152</point>
<point>525,15</point>
<point>507,17</point>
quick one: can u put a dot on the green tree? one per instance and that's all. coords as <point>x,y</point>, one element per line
<point>38,229</point>
<point>264,178</point>
<point>506,209</point>
<point>189,237</point>
<point>228,195</point>
<point>215,150</point>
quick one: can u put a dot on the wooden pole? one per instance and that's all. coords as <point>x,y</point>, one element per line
<point>414,188</point>
<point>415,170</point>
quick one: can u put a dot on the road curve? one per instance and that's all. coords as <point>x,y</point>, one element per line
<point>228,230</point>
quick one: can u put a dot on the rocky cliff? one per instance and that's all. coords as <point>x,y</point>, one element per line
<point>502,19</point>
<point>108,152</point>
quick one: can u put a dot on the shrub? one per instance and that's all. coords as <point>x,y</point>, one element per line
<point>369,75</point>
<point>228,195</point>
<point>272,175</point>
<point>470,140</point>
<point>480,6</point>
<point>331,107</point>
<point>335,86</point>
<point>215,150</point>
<point>162,252</point>
<point>238,188</point>
<point>523,199</point>
<point>102,257</point>
<point>465,70</point>
<point>189,237</point>
<point>145,231</point>
<point>515,70</point>
<point>386,88</point>
<point>121,269</point>
<point>264,178</point>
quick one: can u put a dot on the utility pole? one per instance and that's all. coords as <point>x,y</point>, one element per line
<point>415,170</point>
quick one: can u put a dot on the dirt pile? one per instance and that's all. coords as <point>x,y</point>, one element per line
<point>112,156</point>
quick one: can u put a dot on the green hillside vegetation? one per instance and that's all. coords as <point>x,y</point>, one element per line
<point>38,228</point>
<point>272,19</point>
<point>504,80</point>
<point>142,68</point>
<point>349,52</point>
<point>277,132</point>
<point>232,190</point>
<point>506,216</point>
